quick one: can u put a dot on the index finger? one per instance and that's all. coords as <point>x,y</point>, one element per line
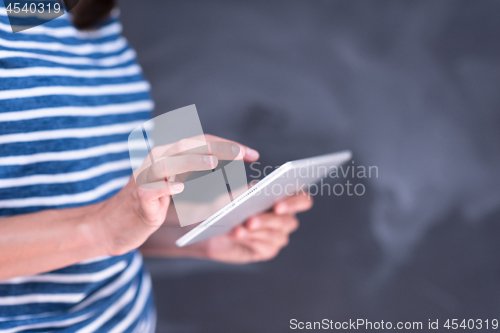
<point>223,150</point>
<point>294,204</point>
<point>249,154</point>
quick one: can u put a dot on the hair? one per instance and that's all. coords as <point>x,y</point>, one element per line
<point>86,13</point>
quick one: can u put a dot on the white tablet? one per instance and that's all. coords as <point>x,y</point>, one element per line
<point>287,180</point>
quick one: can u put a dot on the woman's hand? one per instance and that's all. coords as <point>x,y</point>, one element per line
<point>258,239</point>
<point>54,238</point>
<point>140,208</point>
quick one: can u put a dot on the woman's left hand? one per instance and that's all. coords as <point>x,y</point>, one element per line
<point>258,239</point>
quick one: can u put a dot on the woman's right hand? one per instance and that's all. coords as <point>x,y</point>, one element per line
<point>127,219</point>
<point>44,241</point>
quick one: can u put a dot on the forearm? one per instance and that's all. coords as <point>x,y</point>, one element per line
<point>47,240</point>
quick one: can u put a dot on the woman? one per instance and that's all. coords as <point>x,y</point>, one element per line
<point>72,217</point>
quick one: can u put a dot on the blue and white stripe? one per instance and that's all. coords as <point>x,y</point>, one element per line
<point>68,100</point>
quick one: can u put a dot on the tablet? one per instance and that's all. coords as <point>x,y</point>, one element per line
<point>289,179</point>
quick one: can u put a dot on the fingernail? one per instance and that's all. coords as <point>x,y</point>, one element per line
<point>178,186</point>
<point>253,154</point>
<point>235,148</point>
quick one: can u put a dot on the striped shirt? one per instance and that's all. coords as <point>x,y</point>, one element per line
<point>68,100</point>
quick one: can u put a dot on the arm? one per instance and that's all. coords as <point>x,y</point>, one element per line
<point>52,239</point>
<point>48,240</point>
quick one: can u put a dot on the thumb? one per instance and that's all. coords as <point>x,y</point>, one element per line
<point>156,190</point>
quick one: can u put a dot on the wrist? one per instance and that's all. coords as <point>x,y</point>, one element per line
<point>91,228</point>
<point>117,226</point>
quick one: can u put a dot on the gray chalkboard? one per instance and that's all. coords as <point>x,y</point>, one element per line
<point>411,87</point>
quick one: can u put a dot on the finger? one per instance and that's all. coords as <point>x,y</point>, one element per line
<point>294,204</point>
<point>156,190</point>
<point>170,166</point>
<point>259,250</point>
<point>263,251</point>
<point>200,141</point>
<point>286,223</point>
<point>185,145</point>
<point>223,150</point>
<point>272,236</point>
<point>175,165</point>
<point>248,154</point>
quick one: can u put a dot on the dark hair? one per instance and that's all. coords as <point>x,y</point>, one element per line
<point>87,13</point>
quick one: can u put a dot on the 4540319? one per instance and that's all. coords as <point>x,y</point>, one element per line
<point>471,324</point>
